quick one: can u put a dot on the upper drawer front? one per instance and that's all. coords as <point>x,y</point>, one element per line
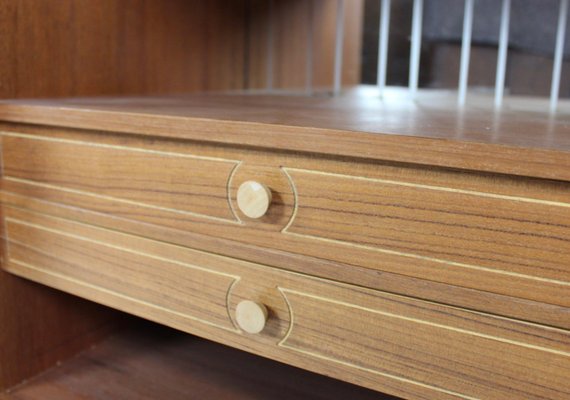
<point>405,346</point>
<point>495,234</point>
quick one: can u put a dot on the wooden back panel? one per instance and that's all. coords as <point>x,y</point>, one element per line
<point>293,21</point>
<point>103,47</point>
<point>67,48</point>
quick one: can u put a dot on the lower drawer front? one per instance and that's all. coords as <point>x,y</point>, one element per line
<point>404,346</point>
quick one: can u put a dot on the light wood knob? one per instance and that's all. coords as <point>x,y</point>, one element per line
<point>251,316</point>
<point>253,199</point>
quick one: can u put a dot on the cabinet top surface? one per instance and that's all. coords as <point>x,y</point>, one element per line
<point>521,139</point>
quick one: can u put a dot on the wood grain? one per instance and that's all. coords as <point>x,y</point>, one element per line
<point>403,346</point>
<point>492,233</point>
<point>92,48</point>
<point>58,48</point>
<point>429,131</point>
<point>194,287</point>
<point>505,244</point>
<point>108,47</point>
<point>291,31</point>
<point>148,362</point>
<point>176,183</point>
<point>428,351</point>
<point>41,326</point>
<point>443,293</point>
<point>178,287</point>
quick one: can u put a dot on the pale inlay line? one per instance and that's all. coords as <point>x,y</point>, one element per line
<point>430,259</point>
<point>258,267</point>
<point>295,200</point>
<point>124,148</point>
<point>412,255</point>
<point>229,192</point>
<point>291,316</point>
<point>115,147</point>
<point>24,265</point>
<point>376,372</point>
<point>352,286</point>
<point>356,366</point>
<point>424,322</point>
<point>112,232</point>
<point>119,200</point>
<point>228,305</point>
<point>431,187</point>
<point>116,247</point>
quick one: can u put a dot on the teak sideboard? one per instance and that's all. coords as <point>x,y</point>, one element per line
<point>422,266</point>
<point>411,248</point>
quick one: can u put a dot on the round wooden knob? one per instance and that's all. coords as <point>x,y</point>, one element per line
<point>253,199</point>
<point>251,316</point>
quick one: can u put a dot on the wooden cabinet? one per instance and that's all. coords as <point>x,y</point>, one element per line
<point>419,281</point>
<point>409,247</point>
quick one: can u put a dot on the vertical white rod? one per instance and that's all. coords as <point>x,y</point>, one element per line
<point>502,56</point>
<point>338,47</point>
<point>465,51</point>
<point>383,35</point>
<point>416,46</point>
<point>310,38</point>
<point>558,53</point>
<point>270,29</point>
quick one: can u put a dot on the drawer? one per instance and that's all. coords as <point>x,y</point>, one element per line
<point>396,344</point>
<point>491,233</point>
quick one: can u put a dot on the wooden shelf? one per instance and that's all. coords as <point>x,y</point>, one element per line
<point>430,130</point>
<point>148,361</point>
